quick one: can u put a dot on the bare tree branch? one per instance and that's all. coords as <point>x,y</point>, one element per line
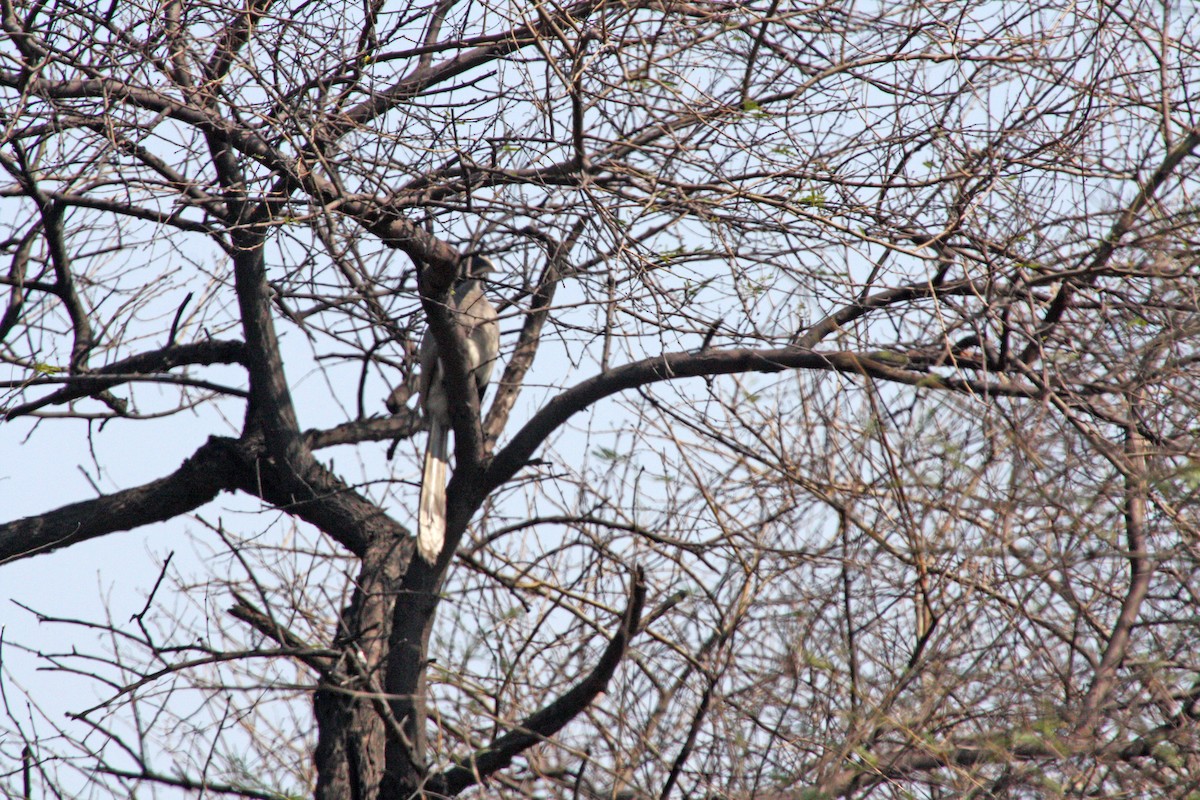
<point>553,717</point>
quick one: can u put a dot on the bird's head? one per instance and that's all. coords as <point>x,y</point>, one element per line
<point>477,266</point>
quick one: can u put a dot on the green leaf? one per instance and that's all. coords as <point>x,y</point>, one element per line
<point>667,256</point>
<point>812,199</point>
<point>608,454</point>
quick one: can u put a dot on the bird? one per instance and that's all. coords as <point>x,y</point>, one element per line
<point>475,317</point>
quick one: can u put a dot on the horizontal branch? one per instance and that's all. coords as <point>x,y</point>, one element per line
<point>201,477</point>
<point>550,719</point>
<point>1004,748</point>
<point>673,366</point>
<point>173,219</point>
<point>220,464</point>
<point>202,785</point>
<point>493,48</point>
<point>110,375</point>
<point>374,429</point>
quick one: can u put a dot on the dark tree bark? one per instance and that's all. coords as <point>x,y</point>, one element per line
<point>843,438</point>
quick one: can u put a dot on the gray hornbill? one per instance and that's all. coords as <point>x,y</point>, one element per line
<point>476,318</point>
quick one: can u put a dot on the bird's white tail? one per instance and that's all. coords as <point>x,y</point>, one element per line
<point>431,517</point>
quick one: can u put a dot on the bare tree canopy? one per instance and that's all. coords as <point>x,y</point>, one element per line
<point>841,443</point>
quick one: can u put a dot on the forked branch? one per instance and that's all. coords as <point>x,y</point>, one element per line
<point>551,718</point>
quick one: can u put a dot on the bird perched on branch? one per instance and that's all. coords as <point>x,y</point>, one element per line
<point>475,316</point>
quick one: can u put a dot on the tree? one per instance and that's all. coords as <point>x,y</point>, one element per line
<point>843,439</point>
